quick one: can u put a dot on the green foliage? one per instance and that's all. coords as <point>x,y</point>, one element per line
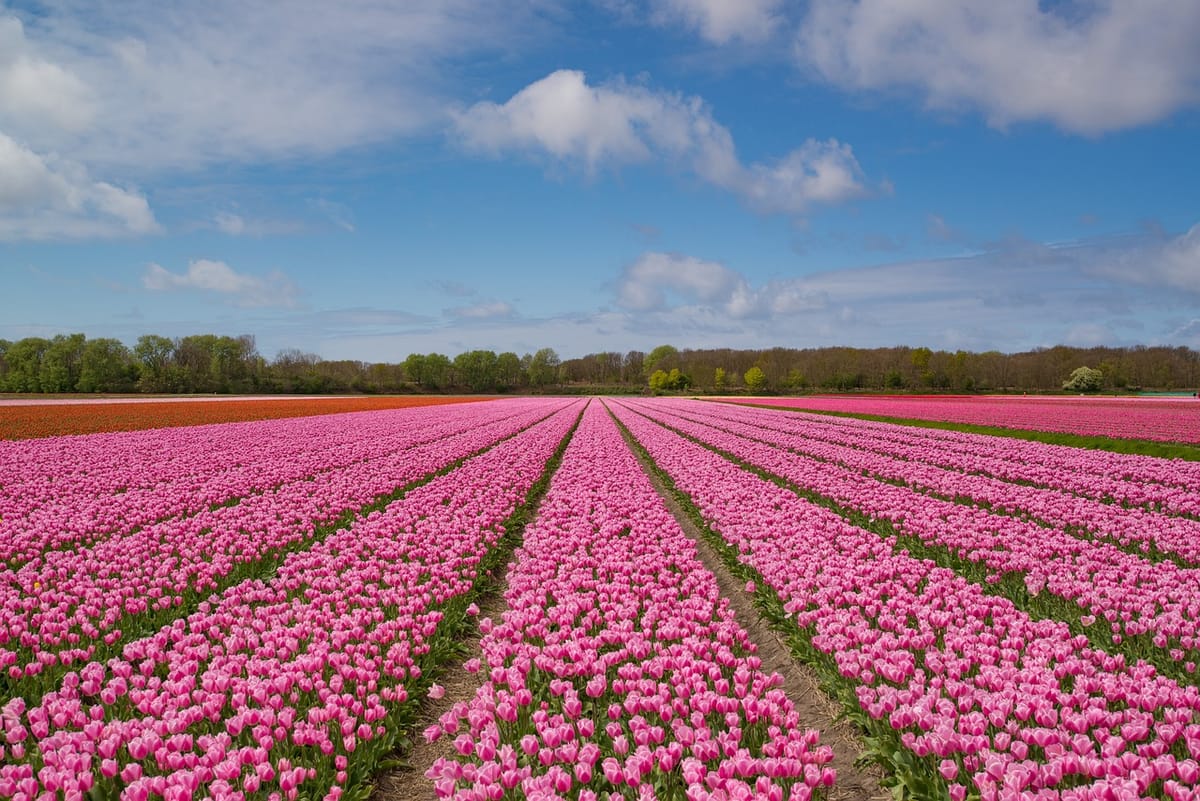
<point>1084,379</point>
<point>651,360</point>
<point>756,379</point>
<point>719,379</point>
<point>543,368</point>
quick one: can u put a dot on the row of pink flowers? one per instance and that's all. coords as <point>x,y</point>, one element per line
<point>59,606</point>
<point>67,492</point>
<point>1158,484</point>
<point>1156,601</point>
<point>617,666</point>
<point>287,685</point>
<point>917,466</point>
<point>982,698</point>
<point>1152,419</point>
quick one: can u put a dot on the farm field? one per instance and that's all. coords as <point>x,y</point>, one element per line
<point>29,418</point>
<point>1156,419</point>
<point>264,609</point>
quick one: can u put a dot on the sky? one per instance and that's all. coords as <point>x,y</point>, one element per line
<point>369,179</point>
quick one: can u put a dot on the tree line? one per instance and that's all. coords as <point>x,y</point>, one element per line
<point>210,363</point>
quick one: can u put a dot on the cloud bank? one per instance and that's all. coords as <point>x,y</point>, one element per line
<point>565,119</point>
<point>219,279</point>
<point>1083,66</point>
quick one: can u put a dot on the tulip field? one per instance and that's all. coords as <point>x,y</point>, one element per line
<point>262,609</point>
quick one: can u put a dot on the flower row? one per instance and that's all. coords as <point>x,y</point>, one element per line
<point>1156,605</point>
<point>913,465</point>
<point>1158,484</point>
<point>1159,420</point>
<point>617,666</point>
<point>291,684</point>
<point>66,492</point>
<point>70,605</point>
<point>972,695</point>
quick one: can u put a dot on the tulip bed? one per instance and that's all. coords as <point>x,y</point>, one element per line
<point>31,419</point>
<point>1113,478</point>
<point>909,463</point>
<point>71,605</point>
<point>294,683</point>
<point>1150,609</point>
<point>1146,419</point>
<point>70,491</point>
<point>962,692</point>
<point>617,667</point>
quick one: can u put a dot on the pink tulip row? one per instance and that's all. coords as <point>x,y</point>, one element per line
<point>982,699</point>
<point>288,685</point>
<point>1158,484</point>
<point>1151,419</point>
<point>617,667</point>
<point>1158,603</point>
<point>63,492</point>
<point>911,464</point>
<point>59,608</point>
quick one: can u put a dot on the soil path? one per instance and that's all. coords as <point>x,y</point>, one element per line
<point>408,782</point>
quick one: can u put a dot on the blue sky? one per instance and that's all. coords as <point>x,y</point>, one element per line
<point>371,179</point>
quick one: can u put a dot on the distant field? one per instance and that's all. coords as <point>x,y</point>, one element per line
<point>1157,419</point>
<point>32,417</point>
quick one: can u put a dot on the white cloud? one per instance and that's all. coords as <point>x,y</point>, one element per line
<point>217,277</point>
<point>1087,67</point>
<point>482,311</point>
<point>659,282</point>
<point>1161,261</point>
<point>721,21</point>
<point>44,197</point>
<point>35,92</point>
<point>181,85</point>
<point>609,125</point>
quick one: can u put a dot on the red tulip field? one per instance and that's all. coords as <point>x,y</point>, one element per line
<point>265,607</point>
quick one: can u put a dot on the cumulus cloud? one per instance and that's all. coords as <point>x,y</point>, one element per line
<point>171,84</point>
<point>721,21</point>
<point>1086,67</point>
<point>595,126</point>
<point>218,278</point>
<point>1090,292</point>
<point>661,281</point>
<point>43,197</point>
<point>36,92</point>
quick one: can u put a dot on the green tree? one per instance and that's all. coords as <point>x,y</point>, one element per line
<point>60,365</point>
<point>509,372</point>
<point>477,369</point>
<point>1084,379</point>
<point>719,379</point>
<point>756,379</point>
<point>651,361</point>
<point>543,368</point>
<point>24,360</point>
<point>414,368</point>
<point>154,355</point>
<point>437,371</point>
<point>106,366</point>
<point>658,381</point>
